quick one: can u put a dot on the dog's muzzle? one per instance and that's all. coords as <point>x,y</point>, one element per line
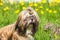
<point>32,20</point>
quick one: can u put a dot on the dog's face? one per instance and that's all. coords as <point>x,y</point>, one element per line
<point>27,22</point>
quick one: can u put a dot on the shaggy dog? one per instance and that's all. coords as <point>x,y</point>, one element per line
<point>24,28</point>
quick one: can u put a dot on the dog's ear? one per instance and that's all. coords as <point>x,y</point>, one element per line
<point>20,23</point>
<point>35,27</point>
<point>37,24</point>
<point>17,22</point>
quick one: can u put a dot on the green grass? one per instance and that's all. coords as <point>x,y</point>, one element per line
<point>9,16</point>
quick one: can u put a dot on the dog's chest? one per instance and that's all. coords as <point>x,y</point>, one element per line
<point>17,37</point>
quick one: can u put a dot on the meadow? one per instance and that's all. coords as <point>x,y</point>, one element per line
<point>49,13</point>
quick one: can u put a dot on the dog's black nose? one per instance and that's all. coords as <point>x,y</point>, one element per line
<point>31,19</point>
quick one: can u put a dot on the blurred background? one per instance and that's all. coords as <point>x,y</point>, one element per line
<point>47,10</point>
<point>30,1</point>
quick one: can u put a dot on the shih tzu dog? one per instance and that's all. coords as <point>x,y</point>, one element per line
<point>24,28</point>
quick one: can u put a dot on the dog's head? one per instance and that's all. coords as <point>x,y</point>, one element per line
<point>27,22</point>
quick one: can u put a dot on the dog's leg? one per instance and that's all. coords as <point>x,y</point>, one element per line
<point>18,37</point>
<point>3,38</point>
<point>15,36</point>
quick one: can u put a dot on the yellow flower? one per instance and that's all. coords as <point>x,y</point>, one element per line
<point>54,11</point>
<point>24,8</point>
<point>17,11</point>
<point>47,9</point>
<point>6,8</point>
<point>1,4</point>
<point>22,3</point>
<point>41,6</point>
<point>50,11</point>
<point>43,1</point>
<point>35,4</point>
<point>42,12</point>
<point>58,1</point>
<point>31,4</point>
<point>36,9</point>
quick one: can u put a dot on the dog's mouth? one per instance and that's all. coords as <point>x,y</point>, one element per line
<point>29,29</point>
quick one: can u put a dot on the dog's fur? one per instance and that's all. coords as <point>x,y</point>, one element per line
<point>23,29</point>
